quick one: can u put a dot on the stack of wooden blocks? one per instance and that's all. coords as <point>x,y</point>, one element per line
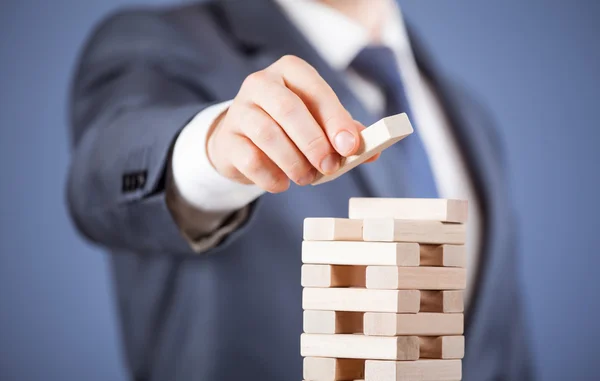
<point>383,291</point>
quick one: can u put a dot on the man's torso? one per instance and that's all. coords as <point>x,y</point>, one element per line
<point>236,311</point>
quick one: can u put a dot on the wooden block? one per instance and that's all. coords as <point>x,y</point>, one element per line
<point>430,209</point>
<point>443,347</point>
<point>443,255</point>
<point>332,229</point>
<point>333,276</point>
<point>416,278</point>
<point>332,369</point>
<point>360,347</point>
<point>442,301</point>
<point>332,322</point>
<point>374,139</point>
<point>361,300</point>
<point>361,253</point>
<point>433,232</point>
<point>421,324</point>
<point>420,370</point>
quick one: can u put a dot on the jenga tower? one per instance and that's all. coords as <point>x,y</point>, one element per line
<point>383,291</point>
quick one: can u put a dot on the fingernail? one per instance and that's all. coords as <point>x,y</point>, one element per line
<point>344,142</point>
<point>330,163</point>
<point>308,178</point>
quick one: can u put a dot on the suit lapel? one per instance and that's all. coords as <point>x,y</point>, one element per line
<point>473,131</point>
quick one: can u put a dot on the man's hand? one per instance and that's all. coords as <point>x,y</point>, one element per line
<point>285,123</point>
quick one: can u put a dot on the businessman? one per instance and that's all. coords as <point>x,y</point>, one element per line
<point>196,130</point>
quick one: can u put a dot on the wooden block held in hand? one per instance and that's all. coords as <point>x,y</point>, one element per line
<point>333,276</point>
<point>416,278</point>
<point>443,347</point>
<point>332,229</point>
<point>432,232</point>
<point>443,255</point>
<point>430,209</point>
<point>420,370</point>
<point>332,322</point>
<point>361,253</point>
<point>421,324</point>
<point>442,301</point>
<point>374,139</point>
<point>361,300</point>
<point>360,347</point>
<point>332,369</point>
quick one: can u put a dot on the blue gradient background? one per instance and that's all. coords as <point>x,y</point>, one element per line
<point>534,63</point>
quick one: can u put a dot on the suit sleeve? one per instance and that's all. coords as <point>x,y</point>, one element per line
<point>128,105</point>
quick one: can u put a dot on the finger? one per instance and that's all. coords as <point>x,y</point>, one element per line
<point>373,159</point>
<point>290,112</point>
<point>222,161</point>
<point>253,164</point>
<point>272,140</point>
<point>321,101</point>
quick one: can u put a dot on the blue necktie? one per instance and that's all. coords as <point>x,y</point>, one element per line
<point>378,64</point>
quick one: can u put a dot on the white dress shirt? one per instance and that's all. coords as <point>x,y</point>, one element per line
<point>324,27</point>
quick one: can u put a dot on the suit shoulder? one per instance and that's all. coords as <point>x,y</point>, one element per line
<point>144,19</point>
<point>132,30</point>
<point>130,22</point>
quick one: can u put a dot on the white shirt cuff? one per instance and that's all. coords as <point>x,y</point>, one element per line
<point>197,181</point>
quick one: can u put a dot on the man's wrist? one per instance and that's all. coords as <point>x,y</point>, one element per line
<point>197,181</point>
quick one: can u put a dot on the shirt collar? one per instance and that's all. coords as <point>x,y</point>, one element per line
<point>337,38</point>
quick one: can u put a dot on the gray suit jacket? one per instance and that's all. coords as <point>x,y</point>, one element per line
<point>224,302</point>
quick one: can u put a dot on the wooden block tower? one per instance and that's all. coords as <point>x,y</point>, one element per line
<point>383,291</point>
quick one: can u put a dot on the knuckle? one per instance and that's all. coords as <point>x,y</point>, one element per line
<point>265,132</point>
<point>298,170</point>
<point>290,60</point>
<point>332,120</point>
<point>278,185</point>
<point>252,162</point>
<point>229,171</point>
<point>255,79</point>
<point>317,147</point>
<point>287,107</point>
<point>240,178</point>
